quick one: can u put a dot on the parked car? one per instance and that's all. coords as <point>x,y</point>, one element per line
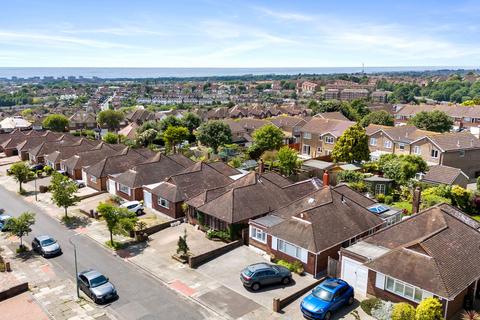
<point>326,298</point>
<point>79,183</point>
<point>260,274</point>
<point>46,246</point>
<point>133,206</point>
<point>96,286</point>
<point>62,172</point>
<point>36,167</point>
<point>3,221</point>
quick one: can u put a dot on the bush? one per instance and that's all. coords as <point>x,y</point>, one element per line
<point>388,200</point>
<point>295,266</point>
<point>380,197</point>
<point>218,234</point>
<point>403,311</point>
<point>429,309</point>
<point>368,304</point>
<point>358,186</point>
<point>350,176</point>
<point>48,170</point>
<point>478,184</point>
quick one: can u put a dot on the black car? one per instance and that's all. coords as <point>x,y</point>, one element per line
<point>257,275</point>
<point>37,167</point>
<point>96,286</point>
<point>46,246</point>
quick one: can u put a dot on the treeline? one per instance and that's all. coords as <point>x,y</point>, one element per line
<point>17,98</point>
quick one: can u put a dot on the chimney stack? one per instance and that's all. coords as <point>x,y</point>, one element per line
<point>326,178</point>
<point>261,167</point>
<point>416,200</point>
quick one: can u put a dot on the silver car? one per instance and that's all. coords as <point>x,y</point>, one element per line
<point>96,286</point>
<point>46,246</point>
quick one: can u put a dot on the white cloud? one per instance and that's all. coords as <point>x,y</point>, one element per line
<point>288,16</point>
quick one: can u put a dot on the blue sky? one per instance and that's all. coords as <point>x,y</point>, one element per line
<point>211,33</point>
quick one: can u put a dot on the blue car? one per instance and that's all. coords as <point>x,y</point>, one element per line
<point>326,298</point>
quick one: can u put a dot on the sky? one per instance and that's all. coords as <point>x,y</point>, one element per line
<point>224,33</point>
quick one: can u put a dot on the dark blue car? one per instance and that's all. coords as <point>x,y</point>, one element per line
<point>326,298</point>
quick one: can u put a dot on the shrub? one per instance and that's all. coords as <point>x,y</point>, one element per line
<point>48,170</point>
<point>351,176</point>
<point>368,304</point>
<point>429,309</point>
<point>358,186</point>
<point>380,197</point>
<point>478,184</point>
<point>383,311</point>
<point>389,199</point>
<point>219,234</point>
<point>403,311</point>
<point>295,266</point>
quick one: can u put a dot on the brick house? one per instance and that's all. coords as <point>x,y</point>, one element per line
<point>251,196</point>
<point>24,147</point>
<point>82,120</point>
<point>318,136</point>
<point>291,127</point>
<point>73,166</point>
<point>11,145</point>
<point>38,153</point>
<point>54,158</point>
<point>129,184</point>
<point>433,253</point>
<point>95,176</point>
<point>445,175</point>
<point>313,228</point>
<point>169,195</point>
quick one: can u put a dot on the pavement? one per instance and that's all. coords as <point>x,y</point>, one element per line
<point>22,307</point>
<point>140,293</point>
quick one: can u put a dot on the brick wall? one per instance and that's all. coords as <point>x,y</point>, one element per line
<point>100,184</point>
<point>175,209</point>
<point>468,163</point>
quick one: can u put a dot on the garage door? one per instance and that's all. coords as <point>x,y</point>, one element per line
<point>111,187</point>
<point>147,199</point>
<point>355,274</point>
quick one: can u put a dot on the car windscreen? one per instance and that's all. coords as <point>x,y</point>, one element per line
<point>47,242</point>
<point>322,294</point>
<point>248,272</point>
<point>131,206</point>
<point>98,281</point>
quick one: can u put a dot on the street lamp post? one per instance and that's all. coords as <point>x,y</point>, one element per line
<point>76,267</point>
<point>35,182</point>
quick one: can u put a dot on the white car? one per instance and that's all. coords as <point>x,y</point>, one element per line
<point>133,206</point>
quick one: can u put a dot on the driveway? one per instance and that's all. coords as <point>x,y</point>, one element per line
<point>23,307</point>
<point>226,270</point>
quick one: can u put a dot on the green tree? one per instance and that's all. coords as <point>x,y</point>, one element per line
<point>20,172</point>
<point>352,146</point>
<point>268,137</point>
<point>110,118</point>
<point>429,309</point>
<point>175,135</point>
<point>55,122</point>
<point>21,226</point>
<point>436,120</point>
<point>27,113</point>
<point>360,107</point>
<point>182,246</point>
<point>287,160</point>
<point>191,121</point>
<point>111,138</point>
<point>169,121</point>
<point>403,311</point>
<point>147,137</point>
<point>381,117</point>
<point>214,134</point>
<point>119,220</point>
<point>401,168</point>
<point>63,191</point>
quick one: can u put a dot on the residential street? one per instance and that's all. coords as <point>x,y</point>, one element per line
<point>141,296</point>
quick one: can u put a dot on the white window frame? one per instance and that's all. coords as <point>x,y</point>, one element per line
<point>124,189</point>
<point>329,140</point>
<point>434,153</point>
<point>380,188</point>
<point>373,141</point>
<point>258,234</point>
<point>424,293</point>
<point>307,135</point>
<point>416,150</point>
<point>401,146</point>
<point>303,149</point>
<point>286,247</point>
<point>166,204</point>
<point>387,144</point>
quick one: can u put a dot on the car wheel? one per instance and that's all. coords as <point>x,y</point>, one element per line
<point>328,316</point>
<point>139,212</point>
<point>350,300</point>
<point>286,280</point>
<point>256,286</point>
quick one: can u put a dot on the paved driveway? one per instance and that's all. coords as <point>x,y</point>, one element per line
<point>226,270</point>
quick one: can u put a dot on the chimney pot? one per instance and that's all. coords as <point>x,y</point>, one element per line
<point>416,200</point>
<point>326,178</point>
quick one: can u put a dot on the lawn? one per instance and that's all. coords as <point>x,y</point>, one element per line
<point>403,205</point>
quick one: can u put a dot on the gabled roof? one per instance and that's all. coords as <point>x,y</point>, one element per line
<point>66,152</point>
<point>453,141</point>
<point>148,173</point>
<point>116,164</point>
<point>87,158</point>
<point>248,197</point>
<point>404,134</point>
<point>320,126</point>
<point>323,219</point>
<point>224,168</point>
<point>50,146</point>
<point>443,240</point>
<point>190,182</point>
<point>443,174</point>
<point>335,115</point>
<point>83,117</point>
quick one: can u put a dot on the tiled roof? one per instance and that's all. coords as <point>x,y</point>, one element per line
<point>442,174</point>
<point>321,126</point>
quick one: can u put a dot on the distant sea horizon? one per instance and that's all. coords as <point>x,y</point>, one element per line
<point>137,73</point>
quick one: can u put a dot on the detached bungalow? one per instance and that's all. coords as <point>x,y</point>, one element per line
<point>37,154</point>
<point>315,227</point>
<point>128,184</point>
<point>433,253</point>
<point>53,159</point>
